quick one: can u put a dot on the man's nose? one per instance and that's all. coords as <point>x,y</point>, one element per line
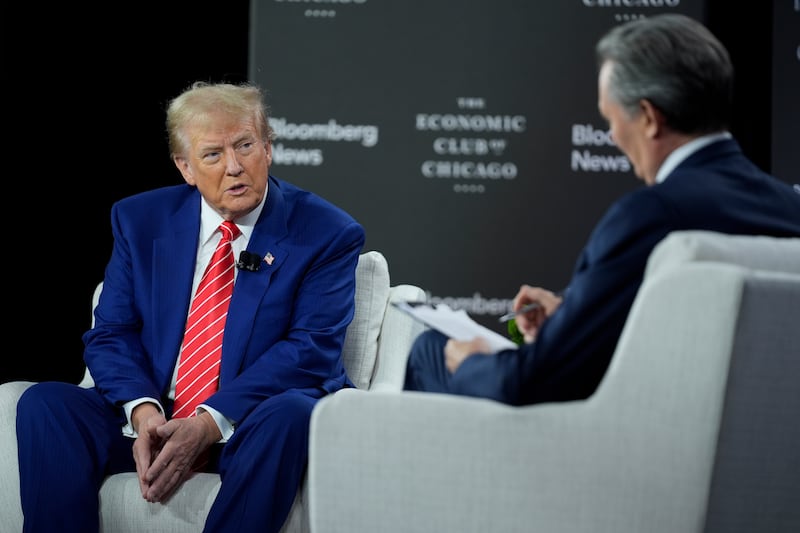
<point>232,164</point>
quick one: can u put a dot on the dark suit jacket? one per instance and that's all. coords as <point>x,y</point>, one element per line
<point>286,322</point>
<point>715,189</point>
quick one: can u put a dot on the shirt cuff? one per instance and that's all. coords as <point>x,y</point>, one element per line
<point>225,426</point>
<point>127,429</point>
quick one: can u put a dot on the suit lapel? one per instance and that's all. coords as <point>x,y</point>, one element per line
<point>251,287</point>
<point>174,255</point>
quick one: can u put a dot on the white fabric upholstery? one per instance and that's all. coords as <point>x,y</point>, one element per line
<point>376,346</point>
<point>693,429</point>
<point>361,343</point>
<point>10,512</point>
<point>751,251</point>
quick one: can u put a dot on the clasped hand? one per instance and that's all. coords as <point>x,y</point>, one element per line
<point>164,451</point>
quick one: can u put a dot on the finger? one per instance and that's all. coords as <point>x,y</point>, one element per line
<point>165,431</point>
<point>167,481</point>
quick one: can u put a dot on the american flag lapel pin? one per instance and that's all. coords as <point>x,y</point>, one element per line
<point>269,258</point>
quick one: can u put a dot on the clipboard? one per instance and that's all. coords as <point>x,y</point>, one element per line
<point>456,324</point>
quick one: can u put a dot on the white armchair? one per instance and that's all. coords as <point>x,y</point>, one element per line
<point>375,351</point>
<point>693,429</point>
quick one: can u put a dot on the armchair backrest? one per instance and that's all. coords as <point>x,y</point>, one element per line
<point>757,252</point>
<point>711,347</point>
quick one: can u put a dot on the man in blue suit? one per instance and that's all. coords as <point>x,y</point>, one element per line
<point>665,87</point>
<point>292,301</point>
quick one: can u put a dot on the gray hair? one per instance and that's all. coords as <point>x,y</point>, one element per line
<point>244,100</point>
<point>676,64</point>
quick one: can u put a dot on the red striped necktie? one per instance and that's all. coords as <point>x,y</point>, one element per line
<point>198,367</point>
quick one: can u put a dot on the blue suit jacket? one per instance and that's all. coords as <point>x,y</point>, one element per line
<point>286,322</point>
<point>716,189</point>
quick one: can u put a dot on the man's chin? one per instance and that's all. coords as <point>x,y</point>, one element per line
<point>240,205</point>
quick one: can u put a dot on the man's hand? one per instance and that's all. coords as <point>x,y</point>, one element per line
<point>146,419</point>
<point>529,323</point>
<point>456,351</point>
<point>182,441</point>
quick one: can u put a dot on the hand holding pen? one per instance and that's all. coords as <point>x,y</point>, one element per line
<point>526,291</point>
<point>521,311</point>
<point>539,304</point>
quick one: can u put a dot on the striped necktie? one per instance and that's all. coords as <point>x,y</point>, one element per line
<point>198,367</point>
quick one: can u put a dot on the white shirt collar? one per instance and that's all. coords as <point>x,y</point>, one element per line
<point>682,152</point>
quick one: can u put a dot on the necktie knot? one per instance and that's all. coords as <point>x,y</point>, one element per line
<point>229,230</point>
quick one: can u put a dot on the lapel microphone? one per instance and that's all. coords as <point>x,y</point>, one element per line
<point>248,261</point>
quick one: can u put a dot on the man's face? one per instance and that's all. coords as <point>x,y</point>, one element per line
<point>629,133</point>
<point>228,163</point>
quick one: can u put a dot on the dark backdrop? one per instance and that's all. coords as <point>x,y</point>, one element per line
<point>85,91</point>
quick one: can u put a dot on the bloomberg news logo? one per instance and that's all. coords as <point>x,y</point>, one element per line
<point>586,139</point>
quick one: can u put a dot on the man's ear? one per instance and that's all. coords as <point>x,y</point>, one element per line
<point>653,118</point>
<point>185,169</point>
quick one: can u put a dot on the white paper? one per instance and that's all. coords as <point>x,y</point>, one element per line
<point>456,324</point>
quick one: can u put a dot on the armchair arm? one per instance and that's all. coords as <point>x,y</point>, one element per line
<point>413,461</point>
<point>10,509</point>
<point>397,334</point>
